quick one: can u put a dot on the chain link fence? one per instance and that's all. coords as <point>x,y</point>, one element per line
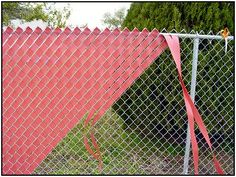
<point>144,131</point>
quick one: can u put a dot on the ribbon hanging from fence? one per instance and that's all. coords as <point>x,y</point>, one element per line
<point>192,112</point>
<point>52,78</point>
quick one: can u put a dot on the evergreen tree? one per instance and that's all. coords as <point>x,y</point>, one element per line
<point>159,111</point>
<point>196,16</point>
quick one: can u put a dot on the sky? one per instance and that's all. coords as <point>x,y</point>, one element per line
<point>91,13</point>
<point>82,13</point>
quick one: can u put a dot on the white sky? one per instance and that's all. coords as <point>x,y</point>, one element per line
<point>91,13</point>
<point>82,13</point>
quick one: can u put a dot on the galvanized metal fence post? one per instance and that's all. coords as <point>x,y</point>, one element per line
<point>192,93</point>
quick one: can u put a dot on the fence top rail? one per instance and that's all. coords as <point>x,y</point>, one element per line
<point>217,37</point>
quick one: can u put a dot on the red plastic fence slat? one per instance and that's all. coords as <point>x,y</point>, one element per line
<point>6,34</point>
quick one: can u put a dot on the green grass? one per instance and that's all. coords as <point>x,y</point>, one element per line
<point>116,145</point>
<point>119,149</point>
<point>123,151</point>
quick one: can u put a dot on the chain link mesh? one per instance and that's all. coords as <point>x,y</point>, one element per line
<point>144,131</point>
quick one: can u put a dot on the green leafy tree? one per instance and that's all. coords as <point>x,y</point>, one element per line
<point>114,20</point>
<point>159,111</point>
<point>34,11</point>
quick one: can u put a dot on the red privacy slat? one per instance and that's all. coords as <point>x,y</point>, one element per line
<point>55,74</point>
<point>52,78</point>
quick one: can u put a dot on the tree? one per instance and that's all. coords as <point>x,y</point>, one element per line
<point>114,20</point>
<point>196,16</point>
<point>152,110</point>
<point>34,11</point>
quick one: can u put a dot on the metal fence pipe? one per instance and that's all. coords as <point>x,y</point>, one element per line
<point>192,93</point>
<point>217,37</point>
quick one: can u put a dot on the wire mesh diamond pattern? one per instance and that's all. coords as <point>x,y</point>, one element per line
<point>144,131</point>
